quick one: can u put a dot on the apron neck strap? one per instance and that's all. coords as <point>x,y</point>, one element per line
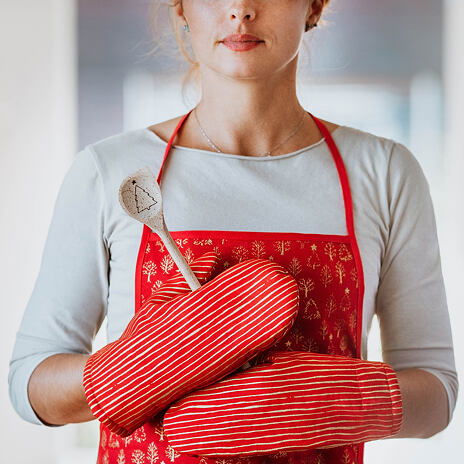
<point>348,202</point>
<point>343,176</point>
<point>168,147</point>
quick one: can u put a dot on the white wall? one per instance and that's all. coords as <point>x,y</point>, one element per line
<point>452,239</point>
<point>37,142</point>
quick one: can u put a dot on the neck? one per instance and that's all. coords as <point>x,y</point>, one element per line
<point>250,116</point>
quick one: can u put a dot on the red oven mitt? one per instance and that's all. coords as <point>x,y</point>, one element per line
<point>296,401</point>
<point>181,340</point>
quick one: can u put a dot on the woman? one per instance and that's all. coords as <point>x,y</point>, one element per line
<point>250,174</point>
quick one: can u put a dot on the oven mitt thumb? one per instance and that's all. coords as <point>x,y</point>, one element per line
<point>174,346</point>
<point>296,401</point>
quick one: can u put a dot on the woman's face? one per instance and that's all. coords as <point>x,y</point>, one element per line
<point>278,23</point>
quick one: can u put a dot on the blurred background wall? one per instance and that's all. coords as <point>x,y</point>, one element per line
<point>75,71</point>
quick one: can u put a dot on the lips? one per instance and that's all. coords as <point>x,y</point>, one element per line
<point>241,38</point>
<point>241,42</point>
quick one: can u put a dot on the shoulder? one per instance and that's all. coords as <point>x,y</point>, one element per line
<point>125,145</point>
<point>120,154</point>
<point>378,155</point>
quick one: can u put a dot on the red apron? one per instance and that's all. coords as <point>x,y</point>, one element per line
<point>329,272</point>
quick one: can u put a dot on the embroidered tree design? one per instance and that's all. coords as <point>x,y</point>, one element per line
<point>103,439</point>
<point>310,310</point>
<point>159,430</point>
<point>258,249</point>
<point>346,457</point>
<point>339,325</point>
<point>152,453</point>
<point>343,343</point>
<point>294,267</point>
<point>166,264</point>
<point>217,250</point>
<point>148,249</point>
<point>138,457</point>
<point>313,260</point>
<point>281,246</point>
<point>331,347</point>
<point>106,458</point>
<point>156,285</point>
<point>310,345</point>
<point>326,275</point>
<point>345,303</point>
<point>331,305</point>
<point>298,336</point>
<point>203,242</point>
<point>171,453</point>
<point>309,307</point>
<point>340,271</point>
<point>140,435</point>
<point>189,256</point>
<point>149,269</point>
<point>121,457</point>
<point>352,321</point>
<point>302,243</point>
<point>239,253</point>
<point>181,242</point>
<point>330,250</point>
<point>320,458</point>
<point>113,441</point>
<point>344,254</point>
<point>306,285</point>
<point>354,276</point>
<point>324,330</point>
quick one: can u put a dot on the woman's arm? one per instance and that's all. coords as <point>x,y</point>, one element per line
<point>425,404</point>
<point>411,303</point>
<point>56,392</point>
<point>67,305</point>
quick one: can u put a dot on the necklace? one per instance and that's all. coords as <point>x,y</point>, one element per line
<point>268,153</point>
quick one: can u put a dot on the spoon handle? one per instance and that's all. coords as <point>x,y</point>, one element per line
<point>178,258</point>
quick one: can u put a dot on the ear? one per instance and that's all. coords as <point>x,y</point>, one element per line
<point>315,9</point>
<point>179,9</point>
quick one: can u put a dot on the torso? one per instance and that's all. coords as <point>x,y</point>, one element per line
<point>187,137</point>
<point>330,276</point>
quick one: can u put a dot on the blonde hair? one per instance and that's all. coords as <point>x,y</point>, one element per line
<point>162,42</point>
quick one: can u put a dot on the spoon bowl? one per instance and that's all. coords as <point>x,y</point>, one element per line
<point>140,197</point>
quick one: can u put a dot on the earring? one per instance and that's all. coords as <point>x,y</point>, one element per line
<point>186,27</point>
<point>308,27</point>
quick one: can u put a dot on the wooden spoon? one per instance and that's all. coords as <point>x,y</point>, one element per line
<point>140,197</point>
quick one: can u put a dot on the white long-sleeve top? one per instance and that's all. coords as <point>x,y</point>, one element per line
<point>88,264</point>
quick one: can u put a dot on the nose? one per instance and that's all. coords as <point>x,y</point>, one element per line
<point>242,13</point>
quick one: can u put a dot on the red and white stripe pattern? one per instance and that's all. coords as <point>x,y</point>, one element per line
<point>297,401</point>
<point>185,343</point>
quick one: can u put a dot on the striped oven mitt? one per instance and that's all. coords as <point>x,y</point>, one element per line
<point>181,340</point>
<point>296,401</point>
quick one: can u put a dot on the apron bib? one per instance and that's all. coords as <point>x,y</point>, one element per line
<point>329,272</point>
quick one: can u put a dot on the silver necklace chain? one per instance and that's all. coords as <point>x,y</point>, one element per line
<point>268,153</point>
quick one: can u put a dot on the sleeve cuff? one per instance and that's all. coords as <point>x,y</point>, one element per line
<point>448,386</point>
